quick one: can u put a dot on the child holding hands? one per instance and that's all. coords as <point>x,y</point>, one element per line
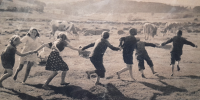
<point>8,57</point>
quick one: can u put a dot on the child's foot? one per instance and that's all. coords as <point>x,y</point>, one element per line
<point>88,74</point>
<point>15,78</point>
<point>118,76</point>
<point>178,68</point>
<point>46,87</point>
<point>143,76</point>
<point>64,83</point>
<point>23,83</point>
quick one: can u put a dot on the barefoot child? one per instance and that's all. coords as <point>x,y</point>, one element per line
<point>55,62</point>
<point>31,41</point>
<point>96,56</point>
<point>176,51</point>
<point>128,44</point>
<point>141,55</point>
<point>8,57</point>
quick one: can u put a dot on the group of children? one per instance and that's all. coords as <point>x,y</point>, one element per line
<point>55,62</point>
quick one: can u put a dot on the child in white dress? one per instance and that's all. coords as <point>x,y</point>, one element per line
<point>31,41</point>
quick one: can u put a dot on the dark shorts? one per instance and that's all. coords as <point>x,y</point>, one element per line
<point>128,59</point>
<point>175,57</point>
<point>141,61</point>
<point>98,64</point>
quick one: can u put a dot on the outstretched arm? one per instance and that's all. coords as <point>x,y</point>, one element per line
<point>169,41</point>
<point>88,46</point>
<point>190,43</point>
<point>150,44</point>
<point>112,47</point>
<point>42,46</point>
<point>24,54</point>
<point>72,47</point>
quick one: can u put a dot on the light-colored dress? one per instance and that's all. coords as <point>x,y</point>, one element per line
<point>29,45</point>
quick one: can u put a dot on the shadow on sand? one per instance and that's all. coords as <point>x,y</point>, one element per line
<point>77,92</point>
<point>22,96</point>
<point>167,89</point>
<point>192,76</point>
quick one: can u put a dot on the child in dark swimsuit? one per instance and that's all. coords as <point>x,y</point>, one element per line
<point>8,57</point>
<point>176,51</point>
<point>96,56</point>
<point>128,44</point>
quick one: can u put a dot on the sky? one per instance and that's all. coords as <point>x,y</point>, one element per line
<point>190,3</point>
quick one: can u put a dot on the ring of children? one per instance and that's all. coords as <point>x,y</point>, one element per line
<point>98,56</point>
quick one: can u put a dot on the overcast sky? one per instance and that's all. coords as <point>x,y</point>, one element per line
<point>172,2</point>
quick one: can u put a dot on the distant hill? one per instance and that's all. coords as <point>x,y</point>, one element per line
<point>117,6</point>
<point>22,5</point>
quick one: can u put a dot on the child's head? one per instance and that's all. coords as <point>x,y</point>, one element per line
<point>179,33</point>
<point>133,31</point>
<point>15,40</point>
<point>33,32</point>
<point>62,36</point>
<point>105,35</point>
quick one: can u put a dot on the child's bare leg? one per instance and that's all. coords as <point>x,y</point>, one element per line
<point>5,76</point>
<point>178,68</point>
<point>152,69</point>
<point>142,72</point>
<point>17,71</point>
<point>54,73</point>
<point>129,66</point>
<point>172,69</point>
<point>122,70</point>
<point>63,75</point>
<point>28,69</point>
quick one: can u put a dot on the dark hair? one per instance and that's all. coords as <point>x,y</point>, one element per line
<point>133,31</point>
<point>37,35</point>
<point>179,32</point>
<point>62,36</point>
<point>105,34</point>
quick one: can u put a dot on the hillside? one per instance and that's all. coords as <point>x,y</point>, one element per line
<point>116,6</point>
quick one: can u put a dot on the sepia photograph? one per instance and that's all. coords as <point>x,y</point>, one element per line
<point>100,49</point>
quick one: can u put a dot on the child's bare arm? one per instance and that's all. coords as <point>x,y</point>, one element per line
<point>72,47</point>
<point>42,46</point>
<point>88,46</point>
<point>24,54</point>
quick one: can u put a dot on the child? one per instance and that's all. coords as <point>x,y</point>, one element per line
<point>96,56</point>
<point>141,55</point>
<point>31,42</point>
<point>176,52</point>
<point>8,57</point>
<point>55,62</point>
<point>128,44</point>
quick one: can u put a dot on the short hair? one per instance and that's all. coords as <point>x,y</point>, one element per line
<point>30,31</point>
<point>133,31</point>
<point>179,32</point>
<point>14,38</point>
<point>62,36</point>
<point>105,34</point>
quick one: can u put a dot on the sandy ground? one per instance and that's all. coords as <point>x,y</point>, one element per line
<point>184,85</point>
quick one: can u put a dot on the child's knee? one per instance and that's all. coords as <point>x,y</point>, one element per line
<point>9,72</point>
